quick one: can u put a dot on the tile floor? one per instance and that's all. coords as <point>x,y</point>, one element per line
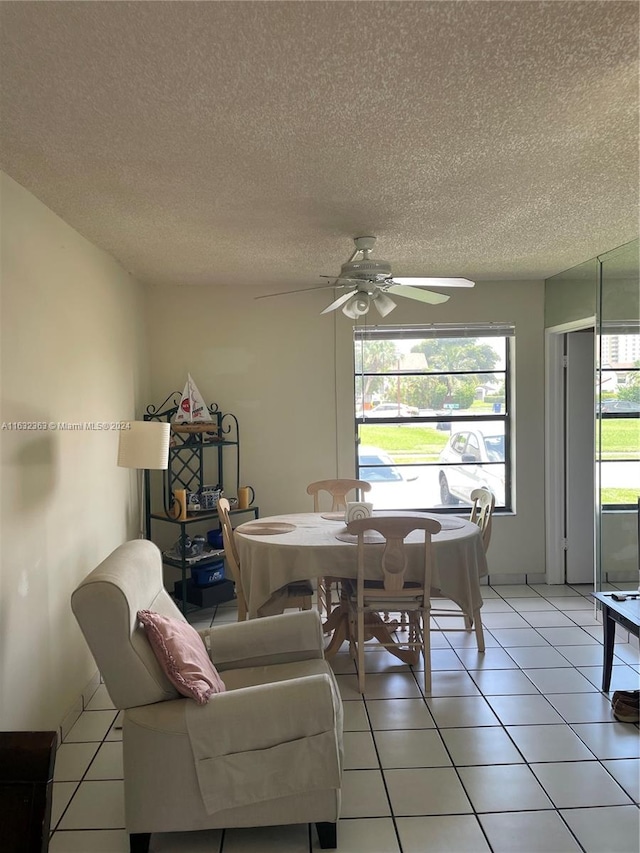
<point>515,751</point>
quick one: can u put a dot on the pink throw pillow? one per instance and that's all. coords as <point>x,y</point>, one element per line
<point>182,655</point>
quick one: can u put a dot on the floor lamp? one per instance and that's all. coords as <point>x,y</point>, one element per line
<point>145,446</point>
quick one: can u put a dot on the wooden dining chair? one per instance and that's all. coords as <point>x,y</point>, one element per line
<point>338,490</point>
<point>389,590</point>
<point>484,502</point>
<point>298,594</point>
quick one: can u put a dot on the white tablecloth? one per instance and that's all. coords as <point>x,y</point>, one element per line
<point>268,563</point>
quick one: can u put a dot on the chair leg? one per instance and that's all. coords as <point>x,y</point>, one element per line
<point>477,621</point>
<point>139,842</point>
<point>360,645</point>
<point>468,624</point>
<point>426,651</point>
<point>327,835</point>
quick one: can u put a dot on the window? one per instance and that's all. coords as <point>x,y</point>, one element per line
<point>618,411</point>
<point>432,410</point>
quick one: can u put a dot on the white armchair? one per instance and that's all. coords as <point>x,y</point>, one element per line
<point>267,751</point>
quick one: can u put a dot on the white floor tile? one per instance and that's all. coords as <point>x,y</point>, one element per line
<point>567,602</point>
<point>510,638</point>
<point>426,791</point>
<point>504,682</point>
<point>61,797</point>
<point>628,653</point>
<point>395,685</point>
<point>508,787</point>
<point>399,714</point>
<point>91,726</point>
<point>441,834</point>
<point>551,618</point>
<point>363,794</point>
<point>445,659</point>
<point>100,701</point>
<point>582,707</point>
<point>359,751</point>
<point>579,784</point>
<point>456,683</point>
<point>551,591</point>
<point>523,710</point>
<point>626,771</point>
<point>373,835</point>
<point>504,620</point>
<point>615,830</point>
<point>517,591</point>
<point>108,762</point>
<point>492,658</point>
<point>495,605</point>
<point>72,760</point>
<point>531,605</point>
<point>610,740</point>
<point>355,717</point>
<point>466,640</point>
<point>461,711</point>
<point>549,743</point>
<point>91,841</point>
<point>568,637</point>
<point>489,745</point>
<point>409,748</point>
<point>540,657</point>
<point>582,655</point>
<point>559,680</point>
<point>293,838</point>
<point>96,805</point>
<point>584,617</point>
<point>523,832</point>
<point>623,677</point>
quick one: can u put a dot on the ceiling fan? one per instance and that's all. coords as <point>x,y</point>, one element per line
<point>368,282</point>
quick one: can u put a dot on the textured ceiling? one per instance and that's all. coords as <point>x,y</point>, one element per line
<point>246,143</point>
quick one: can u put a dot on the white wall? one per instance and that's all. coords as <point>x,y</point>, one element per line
<point>73,350</point>
<point>287,374</point>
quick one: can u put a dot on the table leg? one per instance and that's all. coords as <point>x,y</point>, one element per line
<point>609,639</point>
<point>340,633</point>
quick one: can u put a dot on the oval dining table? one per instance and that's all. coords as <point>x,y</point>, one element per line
<point>282,549</point>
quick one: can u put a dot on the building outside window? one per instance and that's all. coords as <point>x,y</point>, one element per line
<point>433,410</point>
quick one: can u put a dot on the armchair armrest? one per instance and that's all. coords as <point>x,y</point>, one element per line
<point>279,739</point>
<point>263,642</point>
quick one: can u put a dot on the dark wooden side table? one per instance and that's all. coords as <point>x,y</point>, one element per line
<point>26,786</point>
<point>625,613</point>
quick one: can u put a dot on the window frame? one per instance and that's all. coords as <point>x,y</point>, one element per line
<point>505,417</point>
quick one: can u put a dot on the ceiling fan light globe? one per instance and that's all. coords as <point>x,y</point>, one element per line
<point>384,304</point>
<point>357,306</point>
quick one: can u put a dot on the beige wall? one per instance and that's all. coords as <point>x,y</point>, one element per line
<point>73,350</point>
<point>287,374</point>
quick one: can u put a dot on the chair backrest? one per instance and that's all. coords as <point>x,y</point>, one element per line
<point>106,604</point>
<point>338,489</point>
<point>231,557</point>
<point>393,562</point>
<point>484,502</point>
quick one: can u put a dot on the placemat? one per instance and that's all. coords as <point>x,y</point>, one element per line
<point>267,528</point>
<point>372,537</point>
<point>333,516</point>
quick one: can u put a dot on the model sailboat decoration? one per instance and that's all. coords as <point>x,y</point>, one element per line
<point>193,413</point>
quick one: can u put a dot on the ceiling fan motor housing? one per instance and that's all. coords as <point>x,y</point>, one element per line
<point>367,269</point>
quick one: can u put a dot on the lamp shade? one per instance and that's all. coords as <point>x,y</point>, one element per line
<point>144,445</point>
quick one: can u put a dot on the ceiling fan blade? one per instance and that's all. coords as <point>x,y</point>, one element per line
<point>433,282</point>
<point>416,293</point>
<point>338,302</point>
<point>300,290</point>
<point>344,282</point>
